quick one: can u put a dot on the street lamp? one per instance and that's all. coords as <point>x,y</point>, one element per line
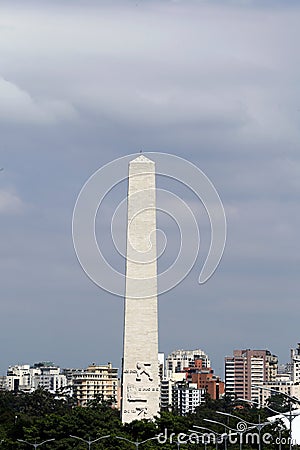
<point>35,445</point>
<point>287,414</point>
<point>215,433</point>
<point>258,404</point>
<point>240,431</point>
<point>204,436</point>
<point>88,441</point>
<point>178,443</point>
<point>259,426</point>
<point>277,392</point>
<point>136,443</point>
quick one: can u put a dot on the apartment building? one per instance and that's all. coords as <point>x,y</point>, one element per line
<point>248,369</point>
<point>166,390</point>
<point>205,378</point>
<point>295,364</point>
<point>189,378</point>
<point>178,360</point>
<point>97,381</point>
<point>50,377</point>
<point>186,397</point>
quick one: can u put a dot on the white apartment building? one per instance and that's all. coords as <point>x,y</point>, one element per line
<point>186,397</point>
<point>161,365</point>
<point>179,359</point>
<point>287,381</point>
<point>96,381</point>
<point>257,376</point>
<point>50,377</point>
<point>166,390</point>
<point>295,364</point>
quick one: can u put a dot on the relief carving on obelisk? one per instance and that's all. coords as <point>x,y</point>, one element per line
<point>143,368</point>
<point>134,394</point>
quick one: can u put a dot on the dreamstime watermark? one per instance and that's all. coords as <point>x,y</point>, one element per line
<point>247,437</point>
<point>105,179</point>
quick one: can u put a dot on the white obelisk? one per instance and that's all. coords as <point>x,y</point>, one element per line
<point>140,378</point>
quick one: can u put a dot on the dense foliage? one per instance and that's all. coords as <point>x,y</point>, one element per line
<point>40,416</point>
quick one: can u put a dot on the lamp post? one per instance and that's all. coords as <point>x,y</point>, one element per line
<point>259,426</point>
<point>136,443</point>
<point>89,442</point>
<point>287,414</point>
<point>240,432</point>
<point>35,445</point>
<point>214,432</point>
<point>204,435</point>
<point>178,443</point>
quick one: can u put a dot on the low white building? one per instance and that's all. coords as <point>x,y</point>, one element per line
<point>26,378</point>
<point>50,377</point>
<point>280,387</point>
<point>22,377</point>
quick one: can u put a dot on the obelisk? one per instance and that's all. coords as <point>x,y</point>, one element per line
<point>140,378</point>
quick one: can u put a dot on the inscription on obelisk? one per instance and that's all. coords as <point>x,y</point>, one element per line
<point>140,378</point>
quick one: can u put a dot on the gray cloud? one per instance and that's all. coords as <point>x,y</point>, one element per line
<point>211,82</point>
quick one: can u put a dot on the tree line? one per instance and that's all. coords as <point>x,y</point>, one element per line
<point>40,416</point>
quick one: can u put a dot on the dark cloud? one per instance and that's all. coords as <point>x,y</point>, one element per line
<point>211,82</point>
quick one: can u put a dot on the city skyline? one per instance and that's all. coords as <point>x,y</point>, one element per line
<point>250,374</point>
<point>214,84</point>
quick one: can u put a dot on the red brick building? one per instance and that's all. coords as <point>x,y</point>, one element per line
<point>205,379</point>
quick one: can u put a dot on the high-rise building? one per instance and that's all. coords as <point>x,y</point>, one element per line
<point>248,369</point>
<point>161,366</point>
<point>295,364</point>
<point>178,360</point>
<point>166,390</point>
<point>140,372</point>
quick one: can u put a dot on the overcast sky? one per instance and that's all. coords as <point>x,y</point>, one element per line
<point>82,83</point>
